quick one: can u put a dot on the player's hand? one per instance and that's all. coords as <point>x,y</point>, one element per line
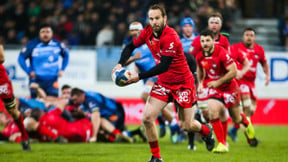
<point>200,88</point>
<point>60,73</point>
<point>118,66</point>
<point>137,56</point>
<point>92,140</point>
<point>267,80</point>
<point>34,86</point>
<point>32,74</point>
<point>213,84</point>
<point>133,78</point>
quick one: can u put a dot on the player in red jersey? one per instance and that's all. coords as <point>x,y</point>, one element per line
<point>255,55</point>
<point>10,132</point>
<point>175,80</point>
<point>6,94</point>
<point>214,24</point>
<point>53,126</point>
<point>217,69</point>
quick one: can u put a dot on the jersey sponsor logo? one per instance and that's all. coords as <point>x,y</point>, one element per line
<point>171,45</point>
<point>4,89</point>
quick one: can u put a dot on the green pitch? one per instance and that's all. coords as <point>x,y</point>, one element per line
<point>273,147</point>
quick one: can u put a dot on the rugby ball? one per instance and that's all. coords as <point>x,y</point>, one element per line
<point>120,76</point>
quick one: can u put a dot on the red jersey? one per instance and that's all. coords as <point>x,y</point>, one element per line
<point>77,131</point>
<point>196,44</point>
<point>3,74</point>
<point>215,67</point>
<point>168,44</point>
<point>10,129</point>
<point>237,56</point>
<point>254,56</point>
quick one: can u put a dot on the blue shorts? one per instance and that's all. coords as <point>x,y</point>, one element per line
<point>117,118</point>
<point>50,87</point>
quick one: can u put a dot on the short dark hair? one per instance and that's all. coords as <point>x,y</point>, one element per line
<point>76,91</point>
<point>45,26</point>
<point>249,29</point>
<point>207,32</point>
<point>158,7</point>
<point>65,86</point>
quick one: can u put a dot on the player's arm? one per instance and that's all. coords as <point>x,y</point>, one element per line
<point>246,67</point>
<point>25,54</point>
<point>231,73</point>
<point>65,60</point>
<point>95,119</point>
<point>2,56</point>
<point>136,56</point>
<point>125,55</point>
<point>265,66</point>
<point>266,70</point>
<point>129,48</point>
<point>162,67</point>
<point>40,92</point>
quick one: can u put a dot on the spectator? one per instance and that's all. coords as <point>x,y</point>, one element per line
<point>105,36</point>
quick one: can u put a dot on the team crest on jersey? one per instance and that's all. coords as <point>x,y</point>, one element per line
<point>183,96</point>
<point>256,56</point>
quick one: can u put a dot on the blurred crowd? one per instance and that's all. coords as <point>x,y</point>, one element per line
<point>88,22</point>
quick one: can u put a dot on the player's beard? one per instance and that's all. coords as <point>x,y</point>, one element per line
<point>209,51</point>
<point>160,29</point>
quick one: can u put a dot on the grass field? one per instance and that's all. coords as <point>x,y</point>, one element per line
<point>273,147</point>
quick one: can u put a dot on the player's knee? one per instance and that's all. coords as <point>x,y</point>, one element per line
<point>236,120</point>
<point>252,109</point>
<point>247,103</point>
<point>147,120</point>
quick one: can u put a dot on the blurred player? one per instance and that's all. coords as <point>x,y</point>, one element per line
<point>43,54</point>
<point>6,95</point>
<point>53,126</point>
<point>220,69</point>
<point>215,21</point>
<point>10,132</point>
<point>144,61</point>
<point>255,54</point>
<point>214,24</point>
<point>188,35</point>
<point>175,80</point>
<point>101,107</point>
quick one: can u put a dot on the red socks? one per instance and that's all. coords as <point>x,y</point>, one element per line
<point>204,130</point>
<point>43,130</point>
<point>19,123</point>
<point>155,149</point>
<point>225,129</point>
<point>116,131</point>
<point>244,120</point>
<point>218,130</point>
<point>237,126</point>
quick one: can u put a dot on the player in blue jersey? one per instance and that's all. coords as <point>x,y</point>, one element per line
<point>105,112</point>
<point>43,54</point>
<point>188,34</point>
